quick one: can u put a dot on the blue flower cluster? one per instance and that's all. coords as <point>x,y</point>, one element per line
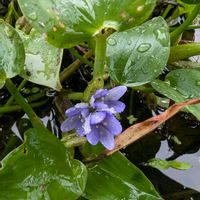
<point>96,120</point>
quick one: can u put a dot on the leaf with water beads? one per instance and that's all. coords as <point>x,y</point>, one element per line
<point>133,57</point>
<point>11,53</point>
<point>71,22</point>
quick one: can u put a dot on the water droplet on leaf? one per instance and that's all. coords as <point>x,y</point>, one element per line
<point>144,47</point>
<point>112,42</point>
<point>198,83</point>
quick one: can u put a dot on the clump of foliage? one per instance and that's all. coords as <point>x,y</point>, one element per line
<point>126,45</point>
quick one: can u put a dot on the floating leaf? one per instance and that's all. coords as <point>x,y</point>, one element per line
<point>133,57</point>
<point>70,22</point>
<point>182,84</point>
<point>164,164</point>
<point>43,61</point>
<point>116,178</point>
<point>41,168</point>
<point>139,130</point>
<point>11,53</point>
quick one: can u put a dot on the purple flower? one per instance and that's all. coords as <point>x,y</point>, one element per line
<point>96,121</point>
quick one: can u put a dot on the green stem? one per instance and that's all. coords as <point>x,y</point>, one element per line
<point>183,51</point>
<point>24,105</point>
<point>100,57</point>
<point>169,7</point>
<point>10,100</point>
<point>177,32</point>
<point>81,58</point>
<point>68,71</point>
<point>75,96</point>
<point>13,108</point>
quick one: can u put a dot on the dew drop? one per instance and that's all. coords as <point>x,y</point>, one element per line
<point>144,47</point>
<point>112,42</point>
<point>129,42</point>
<point>32,16</point>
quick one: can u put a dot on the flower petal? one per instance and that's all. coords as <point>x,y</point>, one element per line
<point>93,136</point>
<point>112,125</point>
<point>69,124</point>
<point>72,112</point>
<point>81,105</point>
<point>79,129</point>
<point>86,125</point>
<point>100,105</point>
<point>97,117</point>
<point>116,93</point>
<point>100,93</point>
<point>107,140</point>
<point>118,106</point>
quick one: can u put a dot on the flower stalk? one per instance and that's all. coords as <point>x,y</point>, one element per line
<point>100,57</point>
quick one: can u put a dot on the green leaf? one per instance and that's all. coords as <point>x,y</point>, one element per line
<point>116,178</point>
<point>191,1</point>
<point>70,22</point>
<point>41,168</point>
<point>164,164</point>
<point>181,88</point>
<point>43,61</point>
<point>11,52</point>
<point>133,57</point>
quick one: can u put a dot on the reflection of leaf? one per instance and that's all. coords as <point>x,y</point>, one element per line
<point>11,53</point>
<point>116,178</point>
<point>41,169</point>
<point>42,63</point>
<point>139,130</point>
<point>164,164</point>
<point>133,57</point>
<point>70,22</point>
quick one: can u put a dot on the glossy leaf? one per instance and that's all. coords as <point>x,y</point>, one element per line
<point>133,57</point>
<point>164,164</point>
<point>41,168</point>
<point>43,61</point>
<point>191,1</point>
<point>70,22</point>
<point>182,84</point>
<point>116,178</point>
<point>11,53</point>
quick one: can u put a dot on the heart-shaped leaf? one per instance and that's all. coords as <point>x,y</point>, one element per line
<point>116,178</point>
<point>181,85</point>
<point>133,56</point>
<point>70,22</point>
<point>42,62</point>
<point>41,168</point>
<point>11,53</point>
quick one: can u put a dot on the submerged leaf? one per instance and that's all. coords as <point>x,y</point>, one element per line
<point>43,61</point>
<point>70,22</point>
<point>41,168</point>
<point>133,57</point>
<point>11,53</point>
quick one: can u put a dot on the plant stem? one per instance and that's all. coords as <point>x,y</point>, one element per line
<point>169,7</point>
<point>75,96</point>
<point>68,71</point>
<point>177,32</point>
<point>100,57</point>
<point>81,58</point>
<point>183,51</point>
<point>24,105</point>
<point>22,84</point>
